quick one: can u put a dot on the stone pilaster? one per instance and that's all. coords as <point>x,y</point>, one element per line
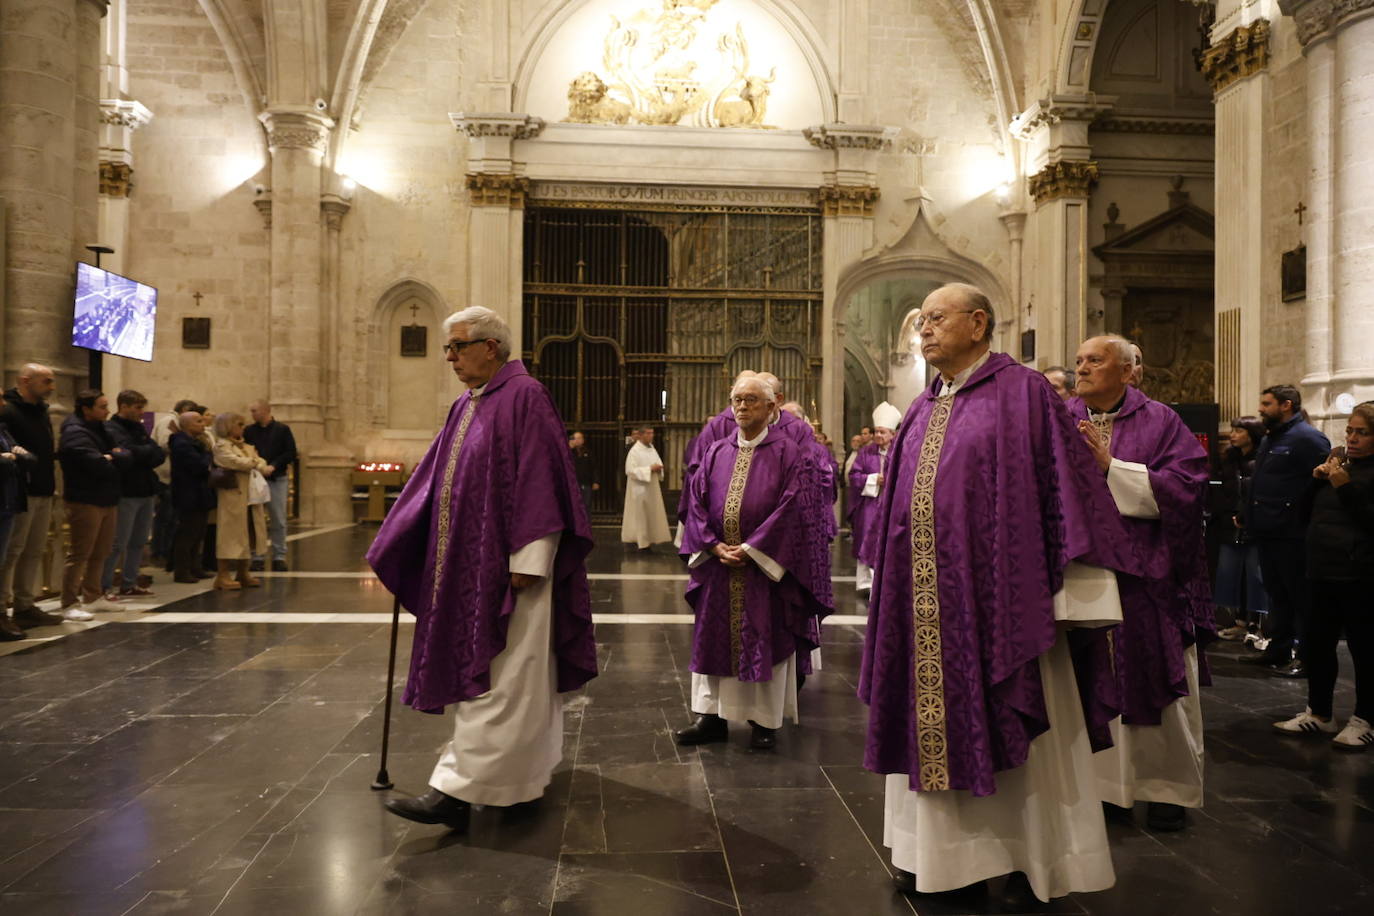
<point>1336,39</point>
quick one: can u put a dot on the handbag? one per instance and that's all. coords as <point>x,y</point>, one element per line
<point>223,478</point>
<point>258,491</point>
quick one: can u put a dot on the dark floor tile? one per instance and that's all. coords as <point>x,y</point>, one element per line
<point>237,693</point>
<point>646,807</point>
<point>20,759</point>
<point>612,735</point>
<point>663,884</point>
<point>68,904</point>
<point>97,712</point>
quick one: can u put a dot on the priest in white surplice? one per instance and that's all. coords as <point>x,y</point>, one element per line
<point>1157,472</point>
<point>995,535</point>
<point>645,522</point>
<point>486,546</point>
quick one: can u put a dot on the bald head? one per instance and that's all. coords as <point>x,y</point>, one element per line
<point>794,409</point>
<point>35,382</point>
<point>191,423</point>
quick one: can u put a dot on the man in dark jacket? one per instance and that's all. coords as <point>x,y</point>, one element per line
<point>138,486</point>
<point>91,468</point>
<point>277,446</point>
<point>1283,481</point>
<point>25,414</point>
<point>192,498</point>
<point>12,503</point>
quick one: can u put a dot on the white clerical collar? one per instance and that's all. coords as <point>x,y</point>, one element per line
<point>750,443</point>
<point>477,392</point>
<point>952,385</point>
<point>882,451</point>
<point>1107,414</point>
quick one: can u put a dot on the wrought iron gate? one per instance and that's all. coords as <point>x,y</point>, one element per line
<point>642,317</point>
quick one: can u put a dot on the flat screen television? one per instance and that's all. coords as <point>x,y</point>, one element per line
<point>113,314</point>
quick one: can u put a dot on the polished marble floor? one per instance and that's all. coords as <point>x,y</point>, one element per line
<point>221,764</point>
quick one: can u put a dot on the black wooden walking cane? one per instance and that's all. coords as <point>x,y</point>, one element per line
<point>383,780</point>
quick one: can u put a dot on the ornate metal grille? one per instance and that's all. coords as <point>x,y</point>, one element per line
<point>641,317</point>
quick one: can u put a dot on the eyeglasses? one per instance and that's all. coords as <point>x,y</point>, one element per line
<point>454,346</point>
<point>748,400</point>
<point>937,319</point>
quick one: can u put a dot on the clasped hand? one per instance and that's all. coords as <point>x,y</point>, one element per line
<point>733,557</point>
<point>1333,471</point>
<point>522,580</point>
<point>1096,444</point>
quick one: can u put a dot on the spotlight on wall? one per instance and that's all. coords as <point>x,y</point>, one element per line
<point>348,184</point>
<point>1002,194</point>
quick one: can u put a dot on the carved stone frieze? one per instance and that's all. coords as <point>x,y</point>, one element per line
<point>1067,178</point>
<point>497,190</point>
<point>848,200</point>
<point>849,136</point>
<point>496,124</point>
<point>296,130</point>
<point>1243,53</point>
<point>1319,18</point>
<point>124,113</point>
<point>116,178</point>
<point>1054,110</point>
<point>1131,124</point>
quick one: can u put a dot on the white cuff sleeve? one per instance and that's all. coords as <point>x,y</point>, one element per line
<point>536,557</point>
<point>1130,486</point>
<point>1089,597</point>
<point>770,567</point>
<point>701,556</point>
<point>870,486</point>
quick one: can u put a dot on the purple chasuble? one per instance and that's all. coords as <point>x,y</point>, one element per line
<point>863,510</point>
<point>721,426</point>
<point>989,495</point>
<point>497,478</point>
<point>745,622</point>
<point>1171,607</point>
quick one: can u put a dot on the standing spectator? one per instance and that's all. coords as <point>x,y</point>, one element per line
<point>138,485</point>
<point>91,468</point>
<point>1061,380</point>
<point>164,516</point>
<point>25,415</point>
<point>1238,575</point>
<point>192,498</point>
<point>277,446</point>
<point>239,524</point>
<point>12,504</point>
<point>1340,573</point>
<point>585,467</point>
<point>1273,517</point>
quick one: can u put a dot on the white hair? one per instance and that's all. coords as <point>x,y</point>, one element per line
<point>1125,350</point>
<point>482,324</point>
<point>755,381</point>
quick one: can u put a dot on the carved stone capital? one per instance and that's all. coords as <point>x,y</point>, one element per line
<point>1067,178</point>
<point>334,208</point>
<point>297,130</point>
<point>849,136</point>
<point>1057,109</point>
<point>1243,53</point>
<point>1319,19</point>
<point>512,126</point>
<point>124,113</point>
<point>848,200</point>
<point>497,190</point>
<point>116,178</point>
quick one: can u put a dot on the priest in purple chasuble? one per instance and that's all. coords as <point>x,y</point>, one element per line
<point>998,536</point>
<point>866,481</point>
<point>756,585</point>
<point>1157,472</point>
<point>486,546</point>
<point>718,427</point>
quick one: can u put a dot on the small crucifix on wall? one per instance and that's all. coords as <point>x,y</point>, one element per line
<point>1300,209</point>
<point>414,336</point>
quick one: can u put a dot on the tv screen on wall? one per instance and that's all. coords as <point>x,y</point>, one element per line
<point>113,314</point>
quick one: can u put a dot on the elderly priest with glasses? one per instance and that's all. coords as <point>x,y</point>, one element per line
<point>997,537</point>
<point>486,546</point>
<point>756,586</point>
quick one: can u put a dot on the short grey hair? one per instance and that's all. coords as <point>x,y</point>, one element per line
<point>975,300</point>
<point>483,324</point>
<point>755,381</point>
<point>1125,350</point>
<point>225,422</point>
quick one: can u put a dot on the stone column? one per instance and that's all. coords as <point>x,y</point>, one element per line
<point>1014,221</point>
<point>333,207</point>
<point>49,79</point>
<point>847,201</point>
<point>1061,174</point>
<point>1237,67</point>
<point>1337,40</point>
<point>119,119</point>
<point>496,199</point>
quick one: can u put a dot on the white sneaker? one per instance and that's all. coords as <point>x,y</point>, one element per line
<point>75,612</point>
<point>101,604</point>
<point>1306,723</point>
<point>1356,736</point>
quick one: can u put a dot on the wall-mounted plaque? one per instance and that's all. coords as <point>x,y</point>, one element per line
<point>414,340</point>
<point>1027,346</point>
<point>1294,274</point>
<point>195,333</point>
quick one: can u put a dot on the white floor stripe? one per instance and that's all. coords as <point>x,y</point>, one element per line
<point>327,529</point>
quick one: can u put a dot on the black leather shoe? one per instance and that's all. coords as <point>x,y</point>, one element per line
<point>256,566</point>
<point>1165,817</point>
<point>434,807</point>
<point>33,617</point>
<point>9,630</point>
<point>708,728</point>
<point>1017,896</point>
<point>1293,669</point>
<point>1116,812</point>
<point>278,566</point>
<point>903,880</point>
<point>763,739</point>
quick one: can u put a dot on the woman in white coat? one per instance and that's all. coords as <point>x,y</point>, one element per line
<point>645,521</point>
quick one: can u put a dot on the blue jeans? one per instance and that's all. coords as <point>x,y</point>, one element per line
<point>276,517</point>
<point>6,526</point>
<point>132,525</point>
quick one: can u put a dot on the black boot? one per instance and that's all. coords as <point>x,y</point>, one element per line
<point>1017,896</point>
<point>763,739</point>
<point>708,728</point>
<point>1165,817</point>
<point>903,880</point>
<point>434,807</point>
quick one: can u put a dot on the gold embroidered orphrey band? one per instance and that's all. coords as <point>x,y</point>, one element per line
<point>734,499</point>
<point>1105,424</point>
<point>446,496</point>
<point>928,676</point>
